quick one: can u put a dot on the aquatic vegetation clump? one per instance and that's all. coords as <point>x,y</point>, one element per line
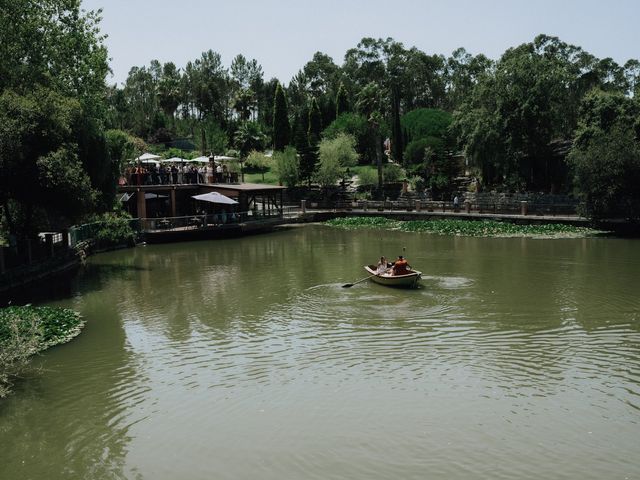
<point>27,330</point>
<point>469,228</point>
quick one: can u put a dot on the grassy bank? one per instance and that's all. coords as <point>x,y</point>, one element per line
<point>27,330</point>
<point>470,228</point>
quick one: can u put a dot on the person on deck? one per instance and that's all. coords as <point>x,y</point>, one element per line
<point>400,266</point>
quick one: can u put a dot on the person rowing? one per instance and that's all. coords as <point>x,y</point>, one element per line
<point>401,266</point>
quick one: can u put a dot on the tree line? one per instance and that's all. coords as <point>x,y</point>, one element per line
<point>546,116</point>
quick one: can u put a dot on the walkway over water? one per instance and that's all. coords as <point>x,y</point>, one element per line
<point>167,200</point>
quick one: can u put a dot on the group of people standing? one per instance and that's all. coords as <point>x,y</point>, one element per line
<point>399,267</point>
<point>177,174</point>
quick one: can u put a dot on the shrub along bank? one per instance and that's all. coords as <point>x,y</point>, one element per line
<point>27,330</point>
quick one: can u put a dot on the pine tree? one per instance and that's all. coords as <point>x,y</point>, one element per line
<point>281,128</point>
<point>342,102</point>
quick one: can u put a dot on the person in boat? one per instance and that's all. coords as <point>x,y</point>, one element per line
<point>383,266</point>
<point>400,266</point>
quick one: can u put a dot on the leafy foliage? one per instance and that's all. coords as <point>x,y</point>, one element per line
<point>27,330</point>
<point>607,169</point>
<point>426,122</point>
<point>249,137</point>
<point>114,229</point>
<point>393,173</point>
<point>287,166</point>
<point>258,162</point>
<point>342,148</point>
<point>355,125</point>
<point>342,101</point>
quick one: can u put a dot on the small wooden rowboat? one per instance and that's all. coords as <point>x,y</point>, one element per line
<point>410,280</point>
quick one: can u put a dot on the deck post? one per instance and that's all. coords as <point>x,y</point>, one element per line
<point>142,203</point>
<point>303,206</point>
<point>467,206</point>
<point>418,205</point>
<point>48,240</point>
<point>524,207</point>
<point>172,200</point>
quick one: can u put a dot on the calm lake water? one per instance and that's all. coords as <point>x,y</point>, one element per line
<point>245,359</point>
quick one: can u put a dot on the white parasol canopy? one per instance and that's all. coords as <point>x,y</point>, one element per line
<point>147,156</point>
<point>173,160</point>
<point>222,158</point>
<point>215,197</point>
<point>202,159</point>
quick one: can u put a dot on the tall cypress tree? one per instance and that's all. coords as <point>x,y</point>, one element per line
<point>315,123</point>
<point>281,128</point>
<point>397,138</point>
<point>308,155</point>
<point>342,102</point>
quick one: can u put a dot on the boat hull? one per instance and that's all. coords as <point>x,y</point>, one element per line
<point>402,281</point>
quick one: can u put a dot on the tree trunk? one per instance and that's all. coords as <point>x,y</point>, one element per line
<point>378,140</point>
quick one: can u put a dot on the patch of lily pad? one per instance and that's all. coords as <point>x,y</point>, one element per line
<point>469,228</point>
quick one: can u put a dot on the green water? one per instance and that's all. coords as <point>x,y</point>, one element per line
<point>246,359</point>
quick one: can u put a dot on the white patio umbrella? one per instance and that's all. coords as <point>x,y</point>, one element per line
<point>215,197</point>
<point>202,159</point>
<point>147,156</point>
<point>173,160</point>
<point>222,158</point>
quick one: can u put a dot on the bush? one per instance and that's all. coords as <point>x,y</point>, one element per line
<point>114,229</point>
<point>393,173</point>
<point>415,153</point>
<point>367,178</point>
<point>287,166</point>
<point>341,148</point>
<point>354,125</point>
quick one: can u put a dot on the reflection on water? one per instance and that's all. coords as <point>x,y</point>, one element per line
<point>517,358</point>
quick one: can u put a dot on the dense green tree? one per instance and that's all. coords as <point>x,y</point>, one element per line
<point>369,104</point>
<point>355,125</point>
<point>258,162</point>
<point>607,170</point>
<point>342,147</point>
<point>169,89</point>
<point>42,175</point>
<point>140,91</point>
<point>426,122</point>
<point>248,137</point>
<point>606,155</point>
<point>342,101</point>
<point>463,71</point>
<point>532,98</point>
<point>335,155</point>
<point>53,157</point>
<point>281,127</point>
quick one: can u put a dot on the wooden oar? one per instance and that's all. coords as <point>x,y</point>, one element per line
<point>348,285</point>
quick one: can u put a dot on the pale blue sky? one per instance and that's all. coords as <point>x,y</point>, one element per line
<point>283,35</point>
